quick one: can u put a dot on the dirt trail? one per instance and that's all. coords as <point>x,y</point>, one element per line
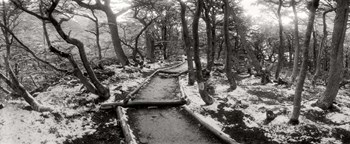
<point>159,89</point>
<point>166,125</point>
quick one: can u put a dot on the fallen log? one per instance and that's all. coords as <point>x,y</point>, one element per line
<point>224,137</point>
<point>125,126</point>
<point>139,103</point>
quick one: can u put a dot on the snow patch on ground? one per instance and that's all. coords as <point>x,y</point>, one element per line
<point>72,118</point>
<point>212,122</point>
<point>338,117</point>
<point>277,99</point>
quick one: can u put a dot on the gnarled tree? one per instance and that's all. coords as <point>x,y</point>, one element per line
<point>112,23</point>
<point>101,90</point>
<point>18,88</point>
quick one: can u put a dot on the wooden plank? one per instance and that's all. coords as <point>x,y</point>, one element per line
<point>224,137</point>
<point>144,103</point>
<point>125,127</point>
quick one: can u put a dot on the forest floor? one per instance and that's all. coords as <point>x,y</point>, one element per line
<point>77,118</point>
<point>165,124</point>
<point>240,113</point>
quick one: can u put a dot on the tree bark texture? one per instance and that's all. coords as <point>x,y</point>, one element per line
<point>165,43</point>
<point>281,46</point>
<point>296,43</point>
<point>314,49</point>
<point>186,37</point>
<point>113,27</point>
<point>76,70</point>
<point>321,49</point>
<point>201,82</point>
<point>150,47</point>
<point>97,34</point>
<point>228,67</point>
<point>302,74</point>
<point>336,64</point>
<point>102,90</point>
<point>209,18</point>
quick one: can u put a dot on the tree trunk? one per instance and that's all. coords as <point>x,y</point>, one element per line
<point>201,82</point>
<point>241,30</point>
<point>24,47</point>
<point>113,27</point>
<point>209,43</point>
<point>220,49</point>
<point>213,47</point>
<point>314,50</point>
<point>4,90</point>
<point>150,47</point>
<point>112,23</point>
<point>19,88</point>
<point>5,33</point>
<point>228,67</point>
<point>165,43</point>
<point>136,49</point>
<point>210,31</point>
<point>76,71</point>
<point>281,47</point>
<point>102,91</point>
<point>289,43</point>
<point>148,38</point>
<point>296,43</point>
<point>336,65</point>
<point>302,74</point>
<point>97,35</point>
<point>321,49</point>
<point>186,37</point>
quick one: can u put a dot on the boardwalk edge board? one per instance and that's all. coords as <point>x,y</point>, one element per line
<point>223,136</point>
<point>144,103</point>
<point>129,137</point>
